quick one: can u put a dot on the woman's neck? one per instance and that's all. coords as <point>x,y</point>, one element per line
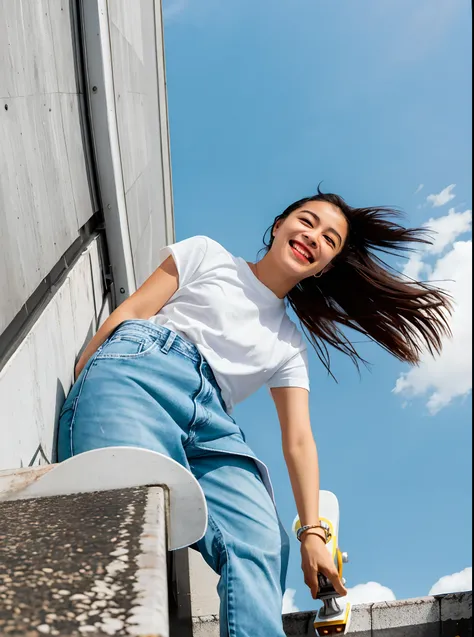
<point>272,277</point>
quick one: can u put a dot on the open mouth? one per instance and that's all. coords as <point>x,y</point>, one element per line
<point>300,252</point>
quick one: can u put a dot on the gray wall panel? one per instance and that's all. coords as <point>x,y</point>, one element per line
<point>135,49</point>
<point>26,50</point>
<point>130,100</point>
<point>44,191</point>
<point>76,159</point>
<point>61,28</point>
<point>139,205</point>
<point>37,377</point>
<point>148,250</point>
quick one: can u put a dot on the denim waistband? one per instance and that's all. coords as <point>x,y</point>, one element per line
<point>162,335</point>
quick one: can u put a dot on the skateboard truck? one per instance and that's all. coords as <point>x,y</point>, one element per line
<point>334,616</point>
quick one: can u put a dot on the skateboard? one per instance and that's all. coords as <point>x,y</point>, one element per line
<point>334,616</point>
<point>121,468</point>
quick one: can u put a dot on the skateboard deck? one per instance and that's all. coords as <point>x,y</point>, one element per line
<point>124,467</point>
<point>334,616</point>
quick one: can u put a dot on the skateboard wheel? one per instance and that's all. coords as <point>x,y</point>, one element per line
<point>345,557</point>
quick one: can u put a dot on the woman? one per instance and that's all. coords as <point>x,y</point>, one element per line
<point>206,330</point>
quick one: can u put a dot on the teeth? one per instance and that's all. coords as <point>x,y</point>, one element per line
<point>305,254</point>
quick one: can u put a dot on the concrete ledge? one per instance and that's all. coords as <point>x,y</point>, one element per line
<point>84,564</point>
<point>417,617</point>
<point>456,614</point>
<point>361,622</point>
<point>440,616</point>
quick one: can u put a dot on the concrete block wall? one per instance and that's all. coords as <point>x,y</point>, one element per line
<point>440,616</point>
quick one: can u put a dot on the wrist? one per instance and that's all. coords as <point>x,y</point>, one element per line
<point>322,530</point>
<point>312,532</point>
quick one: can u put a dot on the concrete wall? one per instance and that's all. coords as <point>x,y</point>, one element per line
<point>44,190</point>
<point>83,140</point>
<point>36,379</point>
<point>203,586</point>
<point>140,104</point>
<point>441,616</point>
<point>124,58</point>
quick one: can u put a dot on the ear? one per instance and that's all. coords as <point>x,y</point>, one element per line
<point>276,226</point>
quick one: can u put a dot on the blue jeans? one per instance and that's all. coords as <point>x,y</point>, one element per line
<point>148,387</point>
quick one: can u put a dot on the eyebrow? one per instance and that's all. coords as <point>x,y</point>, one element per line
<point>335,232</point>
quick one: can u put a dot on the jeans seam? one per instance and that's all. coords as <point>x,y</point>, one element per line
<point>231,629</point>
<point>76,400</point>
<point>180,345</point>
<point>192,424</point>
<point>139,354</point>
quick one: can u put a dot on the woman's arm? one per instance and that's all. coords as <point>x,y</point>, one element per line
<point>145,302</point>
<point>299,450</point>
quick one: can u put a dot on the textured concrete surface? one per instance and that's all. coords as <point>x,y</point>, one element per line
<point>36,379</point>
<point>44,188</point>
<point>441,616</point>
<point>421,617</point>
<point>295,624</point>
<point>456,614</point>
<point>137,56</point>
<point>84,564</point>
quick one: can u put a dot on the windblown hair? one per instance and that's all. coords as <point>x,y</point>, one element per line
<point>363,292</point>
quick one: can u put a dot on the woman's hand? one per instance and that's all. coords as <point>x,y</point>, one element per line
<point>316,558</point>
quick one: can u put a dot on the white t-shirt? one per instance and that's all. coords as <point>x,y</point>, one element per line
<point>238,324</point>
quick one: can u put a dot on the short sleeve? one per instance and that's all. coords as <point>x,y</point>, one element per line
<point>188,256</point>
<point>293,373</point>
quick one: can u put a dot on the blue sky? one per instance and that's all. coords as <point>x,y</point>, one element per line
<point>267,99</point>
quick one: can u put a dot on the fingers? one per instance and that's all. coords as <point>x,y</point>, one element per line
<point>333,577</point>
<point>312,583</point>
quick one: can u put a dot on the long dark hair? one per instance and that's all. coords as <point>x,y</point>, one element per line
<point>363,292</point>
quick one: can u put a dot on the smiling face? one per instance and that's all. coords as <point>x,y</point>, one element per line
<point>309,238</point>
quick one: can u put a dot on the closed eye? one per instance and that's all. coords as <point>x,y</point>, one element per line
<point>307,221</point>
<point>330,240</point>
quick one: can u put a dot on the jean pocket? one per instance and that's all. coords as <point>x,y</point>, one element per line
<point>127,346</point>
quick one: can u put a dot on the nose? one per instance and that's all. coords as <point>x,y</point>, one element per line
<point>310,240</point>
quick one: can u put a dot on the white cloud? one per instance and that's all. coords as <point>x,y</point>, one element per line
<point>448,228</point>
<point>369,593</point>
<point>455,583</point>
<point>289,605</point>
<point>449,375</point>
<point>442,197</point>
<point>415,267</point>
<point>420,187</point>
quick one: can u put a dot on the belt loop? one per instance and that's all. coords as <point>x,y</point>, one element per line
<point>169,342</point>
